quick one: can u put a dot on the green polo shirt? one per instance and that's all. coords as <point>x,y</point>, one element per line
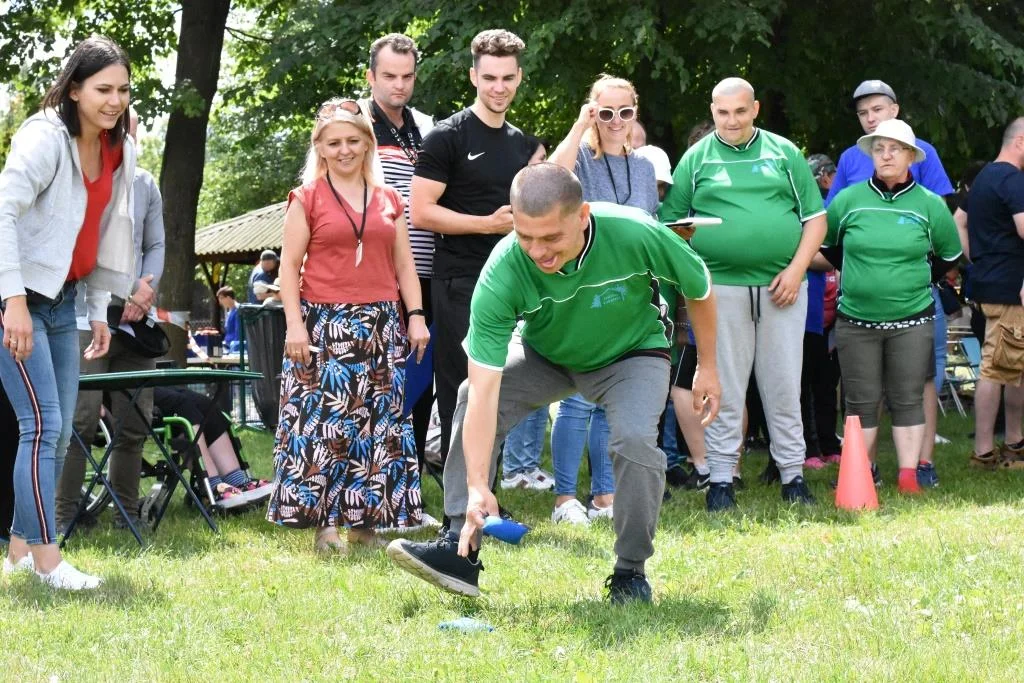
<point>762,190</point>
<point>602,307</point>
<point>886,238</point>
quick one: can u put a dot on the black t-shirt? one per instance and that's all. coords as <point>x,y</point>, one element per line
<point>997,251</point>
<point>477,164</point>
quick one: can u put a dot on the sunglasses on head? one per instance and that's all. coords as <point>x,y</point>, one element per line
<point>329,109</point>
<point>606,114</point>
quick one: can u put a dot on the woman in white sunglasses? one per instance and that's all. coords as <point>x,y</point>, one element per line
<point>599,150</point>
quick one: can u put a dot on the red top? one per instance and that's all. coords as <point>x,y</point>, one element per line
<point>330,275</point>
<point>98,192</point>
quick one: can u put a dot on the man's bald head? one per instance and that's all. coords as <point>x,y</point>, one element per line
<point>539,188</point>
<point>1014,130</point>
<point>732,86</point>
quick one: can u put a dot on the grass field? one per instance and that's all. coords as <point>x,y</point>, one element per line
<point>926,589</point>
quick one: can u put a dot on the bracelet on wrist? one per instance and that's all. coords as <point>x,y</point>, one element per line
<point>416,311</point>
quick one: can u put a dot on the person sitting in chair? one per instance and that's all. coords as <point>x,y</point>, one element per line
<point>230,485</point>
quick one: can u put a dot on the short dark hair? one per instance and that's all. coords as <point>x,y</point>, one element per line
<point>496,42</point>
<point>89,57</point>
<point>227,291</point>
<point>399,43</point>
<point>538,189</point>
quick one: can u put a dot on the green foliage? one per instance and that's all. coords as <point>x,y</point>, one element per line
<point>36,35</point>
<point>958,68</point>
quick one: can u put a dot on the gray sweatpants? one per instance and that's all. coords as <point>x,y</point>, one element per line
<point>631,391</point>
<point>755,333</point>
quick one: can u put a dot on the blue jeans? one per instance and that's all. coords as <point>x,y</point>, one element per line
<point>669,444</point>
<point>575,419</point>
<point>43,391</point>
<point>525,443</point>
<point>940,341</point>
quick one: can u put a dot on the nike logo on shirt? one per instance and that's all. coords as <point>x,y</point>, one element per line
<point>474,156</point>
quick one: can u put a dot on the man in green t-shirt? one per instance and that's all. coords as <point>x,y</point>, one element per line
<point>773,222</point>
<point>584,279</point>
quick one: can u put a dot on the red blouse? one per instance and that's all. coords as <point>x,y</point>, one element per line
<point>98,193</point>
<point>329,274</point>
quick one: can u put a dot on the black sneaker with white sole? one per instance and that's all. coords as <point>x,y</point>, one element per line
<point>438,562</point>
<point>720,497</point>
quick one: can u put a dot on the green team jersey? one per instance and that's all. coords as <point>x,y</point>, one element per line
<point>886,238</point>
<point>762,190</point>
<point>606,308</point>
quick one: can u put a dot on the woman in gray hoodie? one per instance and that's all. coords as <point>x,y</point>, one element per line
<point>65,216</point>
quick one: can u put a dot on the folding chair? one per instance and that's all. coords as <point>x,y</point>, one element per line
<point>962,369</point>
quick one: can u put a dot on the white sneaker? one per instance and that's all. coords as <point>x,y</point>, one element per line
<point>571,512</point>
<point>25,564</point>
<point>540,480</point>
<point>66,577</point>
<point>516,480</point>
<point>940,440</point>
<point>594,512</point>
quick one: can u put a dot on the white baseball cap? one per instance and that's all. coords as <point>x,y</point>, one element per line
<point>658,157</point>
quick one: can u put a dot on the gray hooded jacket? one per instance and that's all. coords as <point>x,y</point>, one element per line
<point>42,205</point>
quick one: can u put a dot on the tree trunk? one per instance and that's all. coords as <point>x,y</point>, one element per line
<point>181,177</point>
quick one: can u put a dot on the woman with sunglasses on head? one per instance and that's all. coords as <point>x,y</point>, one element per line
<point>599,150</point>
<point>344,454</point>
<point>65,215</point>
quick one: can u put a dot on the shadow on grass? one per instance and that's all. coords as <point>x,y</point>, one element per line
<point>611,626</point>
<point>117,589</point>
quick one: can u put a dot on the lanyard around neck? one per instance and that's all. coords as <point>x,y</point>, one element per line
<point>629,180</point>
<point>362,225</point>
<point>409,146</point>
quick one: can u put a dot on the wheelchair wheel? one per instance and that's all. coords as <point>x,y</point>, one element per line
<point>100,498</point>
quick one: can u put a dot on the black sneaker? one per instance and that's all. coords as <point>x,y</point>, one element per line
<point>697,481</point>
<point>876,476</point>
<point>720,497</point>
<point>438,563</point>
<point>677,477</point>
<point>771,473</point>
<point>927,477</point>
<point>627,586</point>
<point>796,491</point>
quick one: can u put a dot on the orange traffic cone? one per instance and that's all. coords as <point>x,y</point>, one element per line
<point>856,489</point>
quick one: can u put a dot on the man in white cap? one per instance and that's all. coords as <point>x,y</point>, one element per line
<point>875,102</point>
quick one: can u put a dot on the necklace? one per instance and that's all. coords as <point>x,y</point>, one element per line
<point>629,180</point>
<point>362,225</point>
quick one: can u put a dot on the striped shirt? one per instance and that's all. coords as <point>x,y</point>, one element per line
<point>398,170</point>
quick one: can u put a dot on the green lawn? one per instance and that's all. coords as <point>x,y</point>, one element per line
<point>925,589</point>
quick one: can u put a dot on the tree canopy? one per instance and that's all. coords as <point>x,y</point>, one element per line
<point>957,67</point>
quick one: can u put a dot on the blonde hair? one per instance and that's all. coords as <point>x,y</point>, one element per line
<point>316,166</point>
<point>593,136</point>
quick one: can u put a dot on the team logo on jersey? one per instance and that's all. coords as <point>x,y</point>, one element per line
<point>765,166</point>
<point>906,218</point>
<point>612,295</point>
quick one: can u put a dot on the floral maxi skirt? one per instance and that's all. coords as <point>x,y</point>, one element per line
<point>344,455</point>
